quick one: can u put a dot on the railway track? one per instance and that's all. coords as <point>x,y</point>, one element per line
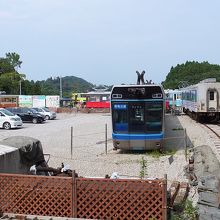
<point>214,133</point>
<point>214,128</point>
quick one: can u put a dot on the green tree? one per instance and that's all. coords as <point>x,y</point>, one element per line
<point>5,66</point>
<point>9,82</point>
<point>10,79</point>
<point>191,72</point>
<point>14,59</point>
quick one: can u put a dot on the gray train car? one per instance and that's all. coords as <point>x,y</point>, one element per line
<point>202,101</point>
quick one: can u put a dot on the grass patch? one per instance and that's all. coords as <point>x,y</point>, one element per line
<point>177,129</point>
<point>188,212</point>
<point>157,154</point>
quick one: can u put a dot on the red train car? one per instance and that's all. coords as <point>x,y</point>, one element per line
<point>98,99</point>
<point>97,104</point>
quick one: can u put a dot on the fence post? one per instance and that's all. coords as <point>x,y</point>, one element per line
<point>185,143</point>
<point>71,142</point>
<point>106,138</point>
<point>165,197</point>
<point>74,208</point>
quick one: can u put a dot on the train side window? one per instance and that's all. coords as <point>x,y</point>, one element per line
<point>211,95</point>
<point>183,95</point>
<point>187,96</point>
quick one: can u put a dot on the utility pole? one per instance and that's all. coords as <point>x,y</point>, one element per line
<point>61,92</point>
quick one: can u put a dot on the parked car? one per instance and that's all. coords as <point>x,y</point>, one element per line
<point>27,115</point>
<point>36,112</point>
<point>8,120</point>
<point>45,111</point>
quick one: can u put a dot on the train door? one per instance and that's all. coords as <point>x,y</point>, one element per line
<point>136,118</point>
<point>137,124</point>
<point>212,100</point>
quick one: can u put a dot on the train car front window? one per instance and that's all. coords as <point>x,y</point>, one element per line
<point>136,118</point>
<point>154,115</point>
<point>120,117</point>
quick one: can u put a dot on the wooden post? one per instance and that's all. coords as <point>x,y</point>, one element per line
<point>165,197</point>
<point>74,208</point>
<point>185,143</point>
<point>105,138</point>
<point>71,142</point>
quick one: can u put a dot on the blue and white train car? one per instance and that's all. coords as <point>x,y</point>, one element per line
<point>138,116</point>
<point>173,99</point>
<point>202,101</point>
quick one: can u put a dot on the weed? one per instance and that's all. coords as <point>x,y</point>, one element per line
<point>189,212</point>
<point>143,171</point>
<point>154,153</point>
<point>157,154</point>
<point>127,161</point>
<point>177,129</point>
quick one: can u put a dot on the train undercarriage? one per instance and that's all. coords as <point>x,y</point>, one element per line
<point>203,117</point>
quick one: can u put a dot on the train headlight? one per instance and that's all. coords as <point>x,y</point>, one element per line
<point>158,144</point>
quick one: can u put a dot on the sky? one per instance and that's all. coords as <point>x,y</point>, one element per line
<point>105,41</point>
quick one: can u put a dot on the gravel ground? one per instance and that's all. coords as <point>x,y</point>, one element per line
<point>197,137</point>
<point>89,158</point>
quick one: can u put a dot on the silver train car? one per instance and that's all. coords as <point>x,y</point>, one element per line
<point>202,101</point>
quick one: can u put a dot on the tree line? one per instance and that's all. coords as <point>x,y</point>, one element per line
<point>13,83</point>
<point>189,73</point>
<point>11,79</point>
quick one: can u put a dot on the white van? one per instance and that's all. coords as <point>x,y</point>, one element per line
<point>8,120</point>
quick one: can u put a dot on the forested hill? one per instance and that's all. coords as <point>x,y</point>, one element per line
<point>14,83</point>
<point>190,73</point>
<point>70,84</point>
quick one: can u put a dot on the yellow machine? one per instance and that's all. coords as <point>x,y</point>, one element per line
<point>79,97</point>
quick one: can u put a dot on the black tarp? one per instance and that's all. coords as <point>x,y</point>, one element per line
<point>30,149</point>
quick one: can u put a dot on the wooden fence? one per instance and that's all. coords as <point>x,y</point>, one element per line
<point>88,198</point>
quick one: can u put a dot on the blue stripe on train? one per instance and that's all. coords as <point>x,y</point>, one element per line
<point>124,137</point>
<point>136,100</point>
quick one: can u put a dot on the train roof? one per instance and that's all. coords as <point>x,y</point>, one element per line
<point>135,85</point>
<point>145,91</point>
<point>206,82</point>
<point>172,91</point>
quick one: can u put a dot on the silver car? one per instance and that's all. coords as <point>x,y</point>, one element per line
<point>46,112</point>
